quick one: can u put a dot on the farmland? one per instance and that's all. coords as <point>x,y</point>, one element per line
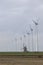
<point>21,58</point>
<point>12,60</point>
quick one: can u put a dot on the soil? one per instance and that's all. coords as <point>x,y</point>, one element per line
<point>16,60</point>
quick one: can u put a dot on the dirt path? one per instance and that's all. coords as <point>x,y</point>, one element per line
<point>20,61</point>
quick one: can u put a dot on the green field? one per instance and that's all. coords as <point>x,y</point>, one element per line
<point>21,53</point>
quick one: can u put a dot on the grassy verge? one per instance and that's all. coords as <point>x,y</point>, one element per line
<point>21,53</point>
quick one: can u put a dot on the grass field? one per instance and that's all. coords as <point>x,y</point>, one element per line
<point>21,53</point>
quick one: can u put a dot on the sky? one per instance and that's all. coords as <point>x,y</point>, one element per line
<point>15,18</point>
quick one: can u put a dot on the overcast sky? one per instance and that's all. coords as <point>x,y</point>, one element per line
<point>15,17</point>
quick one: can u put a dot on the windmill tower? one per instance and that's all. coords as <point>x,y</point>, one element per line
<point>28,41</point>
<point>36,25</point>
<point>24,44</point>
<point>16,43</point>
<point>31,29</point>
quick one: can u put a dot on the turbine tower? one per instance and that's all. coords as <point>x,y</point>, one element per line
<point>28,40</point>
<point>21,41</point>
<point>32,36</point>
<point>16,43</point>
<point>36,25</point>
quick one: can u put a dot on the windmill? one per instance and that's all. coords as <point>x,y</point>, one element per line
<point>28,40</point>
<point>36,25</point>
<point>21,41</point>
<point>24,44</point>
<point>24,39</point>
<point>16,43</point>
<point>31,29</point>
<point>35,22</point>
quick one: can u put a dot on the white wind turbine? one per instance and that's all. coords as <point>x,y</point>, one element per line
<point>36,25</point>
<point>28,40</point>
<point>31,35</point>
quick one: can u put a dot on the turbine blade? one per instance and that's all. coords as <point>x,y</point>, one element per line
<point>31,28</point>
<point>35,22</point>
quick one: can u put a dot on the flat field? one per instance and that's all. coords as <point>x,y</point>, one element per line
<point>20,59</point>
<point>15,60</point>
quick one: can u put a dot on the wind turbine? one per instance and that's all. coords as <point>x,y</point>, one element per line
<point>21,41</point>
<point>24,43</point>
<point>35,22</point>
<point>36,25</point>
<point>24,38</point>
<point>16,43</point>
<point>28,40</point>
<point>32,35</point>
